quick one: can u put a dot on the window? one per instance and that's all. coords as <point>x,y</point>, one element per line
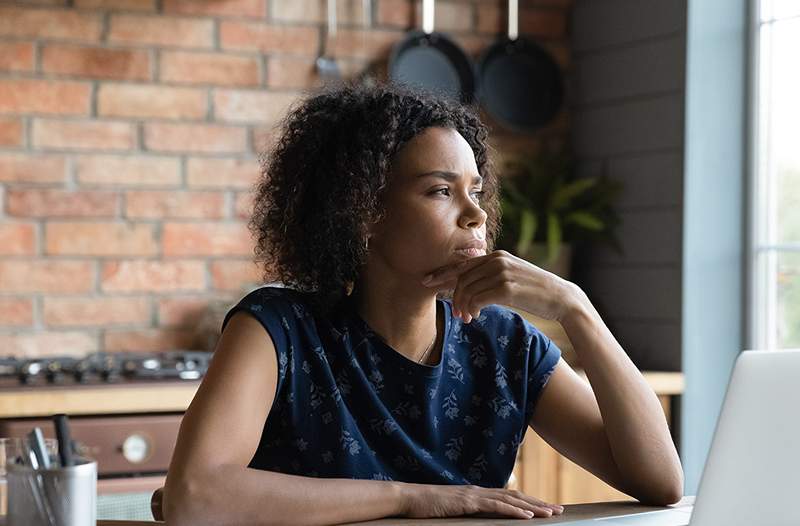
<point>775,264</point>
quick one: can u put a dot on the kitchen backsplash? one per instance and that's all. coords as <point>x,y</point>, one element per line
<point>129,139</point>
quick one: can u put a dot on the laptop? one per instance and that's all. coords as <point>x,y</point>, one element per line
<point>752,473</point>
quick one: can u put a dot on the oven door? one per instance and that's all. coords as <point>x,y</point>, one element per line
<point>132,454</point>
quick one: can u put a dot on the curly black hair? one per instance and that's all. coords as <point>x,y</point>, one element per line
<point>321,184</point>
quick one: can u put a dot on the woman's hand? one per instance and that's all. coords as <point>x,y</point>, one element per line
<point>501,277</point>
<point>423,501</point>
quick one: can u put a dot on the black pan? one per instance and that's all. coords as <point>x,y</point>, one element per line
<point>433,61</point>
<point>521,85</point>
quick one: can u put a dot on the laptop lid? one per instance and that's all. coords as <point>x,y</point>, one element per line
<point>752,473</point>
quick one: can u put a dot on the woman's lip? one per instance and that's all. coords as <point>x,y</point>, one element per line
<point>471,252</point>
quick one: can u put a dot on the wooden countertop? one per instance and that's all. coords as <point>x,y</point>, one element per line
<point>97,399</point>
<point>165,397</point>
<point>572,512</point>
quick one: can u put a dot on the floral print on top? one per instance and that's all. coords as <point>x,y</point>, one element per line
<point>347,405</point>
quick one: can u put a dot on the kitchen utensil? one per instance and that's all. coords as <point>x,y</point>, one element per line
<point>68,494</point>
<point>64,440</point>
<point>326,64</point>
<point>433,61</point>
<point>520,84</point>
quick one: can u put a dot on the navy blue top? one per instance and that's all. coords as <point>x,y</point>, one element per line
<point>347,405</point>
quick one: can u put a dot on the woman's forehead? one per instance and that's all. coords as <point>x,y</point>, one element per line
<point>435,148</point>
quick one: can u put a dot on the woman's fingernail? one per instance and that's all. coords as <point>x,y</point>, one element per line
<point>427,279</point>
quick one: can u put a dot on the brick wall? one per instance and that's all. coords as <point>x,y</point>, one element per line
<point>129,133</point>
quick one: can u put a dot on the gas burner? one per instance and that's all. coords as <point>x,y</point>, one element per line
<point>105,367</point>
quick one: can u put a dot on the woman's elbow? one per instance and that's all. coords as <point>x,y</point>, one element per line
<point>667,491</point>
<point>183,502</point>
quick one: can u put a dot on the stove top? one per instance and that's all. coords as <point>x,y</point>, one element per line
<point>104,368</point>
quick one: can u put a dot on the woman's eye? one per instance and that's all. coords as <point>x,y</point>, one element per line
<point>478,193</point>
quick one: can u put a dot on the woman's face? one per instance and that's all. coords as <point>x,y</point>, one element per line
<point>432,207</point>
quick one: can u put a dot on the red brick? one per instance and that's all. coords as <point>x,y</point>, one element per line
<point>121,64</point>
<point>16,56</point>
<point>16,312</point>
<point>46,276</point>
<point>51,343</point>
<point>153,276</point>
<point>206,239</point>
<point>61,203</point>
<point>17,239</point>
<point>550,23</point>
<point>100,239</point>
<point>25,168</point>
<point>114,5</point>
<point>252,36</point>
<point>448,16</point>
<point>251,106</point>
<point>180,312</point>
<point>161,31</point>
<point>348,12</point>
<point>70,312</point>
<point>264,138</point>
<point>44,96</point>
<point>209,68</point>
<point>178,205</point>
<point>473,44</point>
<point>550,3</point>
<point>235,275</point>
<point>50,23</point>
<point>397,13</point>
<point>158,102</point>
<point>243,205</point>
<point>83,135</point>
<point>492,18</point>
<point>112,170</point>
<point>371,45</point>
<point>10,131</point>
<point>221,173</point>
<point>293,72</point>
<point>151,340</point>
<point>243,8</point>
<point>205,138</point>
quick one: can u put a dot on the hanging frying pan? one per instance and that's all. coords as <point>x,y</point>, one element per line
<point>433,61</point>
<point>520,83</point>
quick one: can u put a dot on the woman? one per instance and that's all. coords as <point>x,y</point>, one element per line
<point>386,378</point>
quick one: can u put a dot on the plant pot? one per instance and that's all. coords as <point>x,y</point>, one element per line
<point>560,266</point>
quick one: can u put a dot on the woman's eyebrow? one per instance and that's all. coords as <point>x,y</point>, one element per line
<point>449,176</point>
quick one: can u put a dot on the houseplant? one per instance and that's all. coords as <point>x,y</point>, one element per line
<point>546,210</point>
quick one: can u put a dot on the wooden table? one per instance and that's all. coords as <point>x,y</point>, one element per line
<point>572,512</point>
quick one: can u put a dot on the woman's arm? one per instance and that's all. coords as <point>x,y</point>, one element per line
<point>616,427</point>
<point>208,481</point>
<point>619,432</point>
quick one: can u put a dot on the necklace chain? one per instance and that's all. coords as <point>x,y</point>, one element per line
<point>425,354</point>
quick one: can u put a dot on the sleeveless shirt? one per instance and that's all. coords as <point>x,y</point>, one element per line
<point>347,405</point>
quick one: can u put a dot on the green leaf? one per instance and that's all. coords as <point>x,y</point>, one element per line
<point>553,236</point>
<point>513,195</point>
<point>527,230</point>
<point>586,220</point>
<point>566,193</point>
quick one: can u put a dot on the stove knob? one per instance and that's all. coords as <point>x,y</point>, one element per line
<point>136,449</point>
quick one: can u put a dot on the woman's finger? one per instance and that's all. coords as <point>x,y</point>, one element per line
<point>468,283</point>
<point>498,506</point>
<point>537,509</point>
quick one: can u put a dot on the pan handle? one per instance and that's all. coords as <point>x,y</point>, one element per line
<point>513,19</point>
<point>427,16</point>
<point>331,18</point>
